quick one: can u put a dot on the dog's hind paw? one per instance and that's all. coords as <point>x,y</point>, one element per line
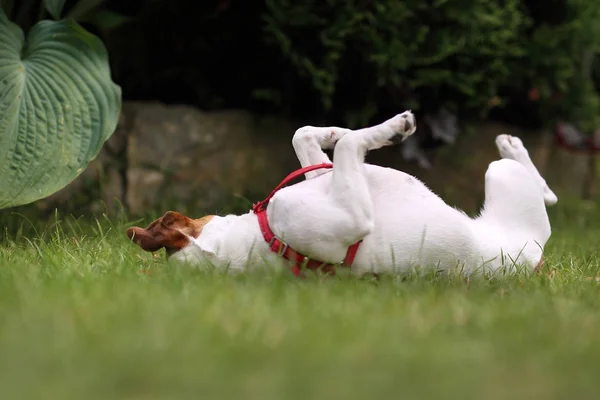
<point>511,147</point>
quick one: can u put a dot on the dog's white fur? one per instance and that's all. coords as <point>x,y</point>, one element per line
<point>402,224</point>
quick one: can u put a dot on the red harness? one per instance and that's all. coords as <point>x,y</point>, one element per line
<point>279,246</point>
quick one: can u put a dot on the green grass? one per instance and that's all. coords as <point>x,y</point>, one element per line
<point>84,314</point>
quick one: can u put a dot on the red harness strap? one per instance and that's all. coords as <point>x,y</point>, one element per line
<point>279,246</point>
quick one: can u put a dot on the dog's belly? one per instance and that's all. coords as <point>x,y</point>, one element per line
<point>413,226</point>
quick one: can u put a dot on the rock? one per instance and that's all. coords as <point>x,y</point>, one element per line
<point>144,186</point>
<point>182,157</point>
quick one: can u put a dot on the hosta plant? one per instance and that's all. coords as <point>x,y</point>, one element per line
<point>58,105</point>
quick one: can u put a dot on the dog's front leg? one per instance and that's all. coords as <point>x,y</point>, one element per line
<point>309,142</point>
<point>350,190</point>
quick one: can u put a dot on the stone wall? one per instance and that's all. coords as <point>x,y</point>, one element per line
<point>177,157</point>
<point>180,157</point>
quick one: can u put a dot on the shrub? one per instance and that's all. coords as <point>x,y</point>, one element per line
<point>440,53</point>
<point>358,61</point>
<point>562,48</point>
<point>459,54</point>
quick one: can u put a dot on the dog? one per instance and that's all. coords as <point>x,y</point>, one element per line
<point>371,218</point>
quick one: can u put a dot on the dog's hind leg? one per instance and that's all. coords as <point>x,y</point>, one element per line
<point>514,213</point>
<point>513,223</point>
<point>350,190</point>
<point>511,147</point>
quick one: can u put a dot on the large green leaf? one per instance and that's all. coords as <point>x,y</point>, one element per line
<point>58,105</point>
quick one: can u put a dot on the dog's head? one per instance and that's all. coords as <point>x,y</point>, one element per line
<point>173,231</point>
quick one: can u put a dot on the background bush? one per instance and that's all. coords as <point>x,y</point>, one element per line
<point>355,61</point>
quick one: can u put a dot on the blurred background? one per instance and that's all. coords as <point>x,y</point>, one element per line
<point>214,90</point>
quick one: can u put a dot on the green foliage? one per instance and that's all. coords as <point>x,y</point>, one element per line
<point>90,11</point>
<point>426,50</point>
<point>54,7</point>
<point>459,54</point>
<point>561,61</point>
<point>58,105</point>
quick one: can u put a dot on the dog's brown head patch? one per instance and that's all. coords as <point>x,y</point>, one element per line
<point>170,231</point>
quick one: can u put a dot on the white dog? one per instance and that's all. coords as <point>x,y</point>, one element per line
<point>376,219</point>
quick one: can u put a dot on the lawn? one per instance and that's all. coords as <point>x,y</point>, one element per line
<point>84,314</point>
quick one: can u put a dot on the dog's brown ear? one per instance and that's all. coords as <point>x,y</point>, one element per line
<point>174,219</point>
<point>144,239</point>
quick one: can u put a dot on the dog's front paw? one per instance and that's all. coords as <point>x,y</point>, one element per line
<point>403,125</point>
